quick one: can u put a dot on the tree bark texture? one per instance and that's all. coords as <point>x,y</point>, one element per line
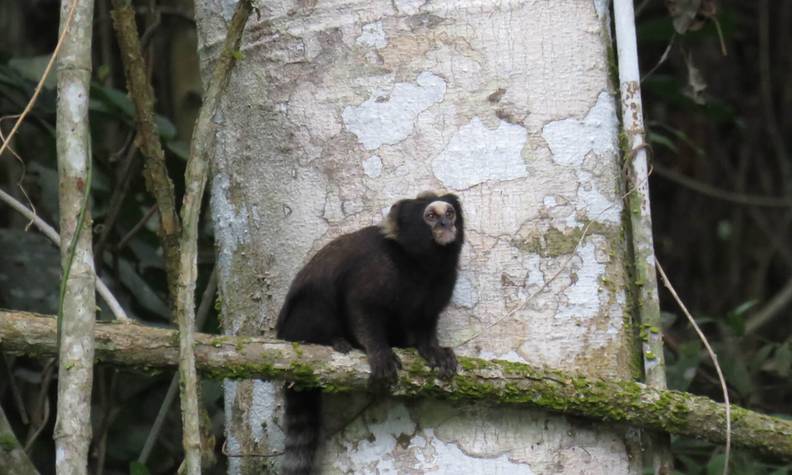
<point>640,219</point>
<point>195,178</point>
<point>341,108</point>
<point>73,139</point>
<point>513,386</point>
<point>155,172</point>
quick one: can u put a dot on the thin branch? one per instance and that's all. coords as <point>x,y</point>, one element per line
<point>768,104</point>
<point>639,9</point>
<point>130,169</point>
<point>492,382</point>
<point>714,192</point>
<point>115,307</point>
<point>639,218</point>
<point>155,171</point>
<point>713,357</point>
<point>13,458</point>
<point>22,165</point>
<point>129,235</point>
<point>203,312</point>
<point>15,393</point>
<point>42,406</point>
<point>66,24</point>
<point>771,310</point>
<point>663,58</point>
<point>195,177</point>
<point>77,300</point>
<point>776,234</point>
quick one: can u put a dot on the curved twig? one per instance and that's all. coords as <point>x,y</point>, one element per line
<point>115,307</point>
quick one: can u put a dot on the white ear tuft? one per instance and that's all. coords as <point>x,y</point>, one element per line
<point>426,194</point>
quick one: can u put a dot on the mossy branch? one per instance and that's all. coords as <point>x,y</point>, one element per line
<point>609,400</point>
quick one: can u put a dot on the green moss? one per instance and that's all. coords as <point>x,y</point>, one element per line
<point>218,306</point>
<point>634,203</point>
<point>470,364</point>
<point>8,442</point>
<point>243,372</point>
<point>643,334</point>
<point>624,145</point>
<point>556,242</point>
<point>297,349</point>
<point>418,368</point>
<point>306,378</point>
<point>240,343</point>
<point>672,410</point>
<point>468,387</point>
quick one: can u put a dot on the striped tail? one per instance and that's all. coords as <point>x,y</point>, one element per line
<point>303,418</point>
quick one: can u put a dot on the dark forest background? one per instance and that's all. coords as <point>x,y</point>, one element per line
<point>717,91</point>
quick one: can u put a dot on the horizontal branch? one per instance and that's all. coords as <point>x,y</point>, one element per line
<point>611,400</point>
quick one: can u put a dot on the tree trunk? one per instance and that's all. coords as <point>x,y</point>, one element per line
<point>338,110</point>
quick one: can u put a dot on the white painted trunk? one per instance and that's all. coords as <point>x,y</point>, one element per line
<point>342,107</point>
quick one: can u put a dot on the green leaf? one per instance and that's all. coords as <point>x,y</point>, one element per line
<point>660,139</point>
<point>745,306</point>
<point>179,148</point>
<point>103,72</point>
<point>112,99</point>
<point>140,288</point>
<point>681,372</point>
<point>32,67</point>
<point>736,318</point>
<point>137,468</point>
<point>716,464</point>
<point>782,360</point>
<point>761,356</point>
<point>116,102</point>
<point>735,369</point>
<point>165,127</point>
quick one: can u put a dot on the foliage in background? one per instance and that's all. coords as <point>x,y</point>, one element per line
<point>718,122</point>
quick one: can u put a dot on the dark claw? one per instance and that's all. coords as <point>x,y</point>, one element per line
<point>384,369</point>
<point>342,345</point>
<point>442,359</point>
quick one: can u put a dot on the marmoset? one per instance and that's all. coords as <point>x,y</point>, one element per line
<point>374,289</point>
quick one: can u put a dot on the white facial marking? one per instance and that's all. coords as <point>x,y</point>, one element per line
<point>433,215</point>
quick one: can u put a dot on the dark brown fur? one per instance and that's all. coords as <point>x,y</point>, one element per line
<point>373,289</point>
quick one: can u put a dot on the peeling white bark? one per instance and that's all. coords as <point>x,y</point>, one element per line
<point>343,107</point>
